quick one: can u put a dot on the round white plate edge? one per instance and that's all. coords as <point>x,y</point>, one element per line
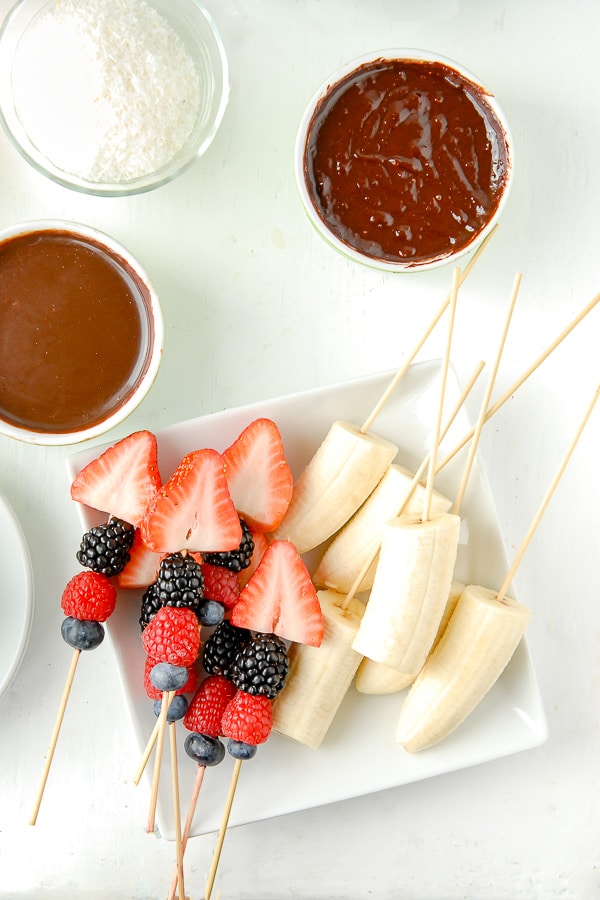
<point>18,558</point>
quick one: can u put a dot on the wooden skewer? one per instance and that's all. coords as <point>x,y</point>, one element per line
<point>147,752</point>
<point>188,824</point>
<point>222,831</point>
<point>415,480</point>
<point>443,383</point>
<point>53,740</point>
<point>409,360</point>
<point>520,381</point>
<point>160,740</point>
<point>176,809</point>
<point>486,400</point>
<point>547,497</point>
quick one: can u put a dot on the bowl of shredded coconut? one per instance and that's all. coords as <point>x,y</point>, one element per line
<point>111,97</point>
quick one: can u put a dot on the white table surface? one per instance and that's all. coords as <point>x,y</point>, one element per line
<point>256,306</point>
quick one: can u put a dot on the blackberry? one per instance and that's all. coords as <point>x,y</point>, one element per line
<point>261,666</point>
<point>222,647</point>
<point>179,583</point>
<point>105,548</point>
<point>234,560</point>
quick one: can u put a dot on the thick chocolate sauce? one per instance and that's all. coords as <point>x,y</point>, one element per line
<point>406,160</point>
<point>72,332</point>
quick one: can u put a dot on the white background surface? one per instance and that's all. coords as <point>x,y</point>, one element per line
<point>256,306</point>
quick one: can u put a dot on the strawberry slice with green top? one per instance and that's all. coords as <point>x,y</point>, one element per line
<point>280,598</point>
<point>193,510</point>
<point>123,479</point>
<point>259,477</point>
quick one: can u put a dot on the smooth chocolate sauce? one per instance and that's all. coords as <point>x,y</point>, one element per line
<point>72,333</point>
<point>406,161</point>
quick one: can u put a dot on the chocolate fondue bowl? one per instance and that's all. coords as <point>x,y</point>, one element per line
<point>81,332</point>
<point>403,160</point>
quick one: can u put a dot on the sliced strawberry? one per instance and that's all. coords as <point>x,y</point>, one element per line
<point>142,568</point>
<point>261,542</point>
<point>193,510</point>
<point>259,477</point>
<point>280,598</point>
<point>123,479</point>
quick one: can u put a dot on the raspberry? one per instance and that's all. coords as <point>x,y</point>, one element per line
<point>248,718</point>
<point>173,636</point>
<point>154,693</point>
<point>89,596</point>
<point>206,709</point>
<point>221,584</point>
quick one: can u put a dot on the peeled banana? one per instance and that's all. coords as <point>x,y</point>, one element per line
<point>475,648</point>
<point>359,539</point>
<point>410,590</point>
<point>340,476</point>
<point>319,677</point>
<point>376,678</point>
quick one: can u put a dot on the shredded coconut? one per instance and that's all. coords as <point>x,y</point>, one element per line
<point>105,88</point>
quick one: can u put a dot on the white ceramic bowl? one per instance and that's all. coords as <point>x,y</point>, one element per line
<point>317,202</point>
<point>19,101</point>
<point>81,329</point>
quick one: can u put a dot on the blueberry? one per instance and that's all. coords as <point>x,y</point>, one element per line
<point>167,677</point>
<point>177,708</point>
<point>240,749</point>
<point>205,750</point>
<point>211,612</point>
<point>82,634</point>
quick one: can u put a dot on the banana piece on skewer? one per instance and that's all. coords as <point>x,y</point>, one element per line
<point>477,645</point>
<point>410,590</point>
<point>340,476</point>
<point>319,677</point>
<point>376,678</point>
<point>359,539</point>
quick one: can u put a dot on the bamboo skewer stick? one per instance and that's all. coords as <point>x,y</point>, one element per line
<point>176,809</point>
<point>160,740</point>
<point>547,497</point>
<point>416,479</point>
<point>54,738</point>
<point>187,828</point>
<point>410,358</point>
<point>222,830</point>
<point>523,378</point>
<point>443,383</point>
<point>486,400</point>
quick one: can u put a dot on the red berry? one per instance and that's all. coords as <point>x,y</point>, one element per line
<point>154,694</point>
<point>206,710</point>
<point>221,584</point>
<point>173,636</point>
<point>89,596</point>
<point>248,718</point>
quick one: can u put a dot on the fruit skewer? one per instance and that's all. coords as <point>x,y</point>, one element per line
<point>400,625</point>
<point>348,464</point>
<point>479,641</point>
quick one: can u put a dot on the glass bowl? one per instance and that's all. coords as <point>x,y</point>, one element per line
<point>51,91</point>
<point>384,164</point>
<point>81,329</point>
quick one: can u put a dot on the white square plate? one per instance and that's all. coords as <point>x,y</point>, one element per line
<point>285,777</point>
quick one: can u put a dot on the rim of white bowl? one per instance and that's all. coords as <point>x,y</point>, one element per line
<point>155,349</point>
<point>409,54</point>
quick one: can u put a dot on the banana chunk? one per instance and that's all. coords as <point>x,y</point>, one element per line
<point>359,540</point>
<point>475,648</point>
<point>410,591</point>
<point>319,677</point>
<point>340,476</point>
<point>376,678</point>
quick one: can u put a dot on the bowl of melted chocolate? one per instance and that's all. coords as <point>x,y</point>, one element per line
<point>81,332</point>
<point>403,160</point>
